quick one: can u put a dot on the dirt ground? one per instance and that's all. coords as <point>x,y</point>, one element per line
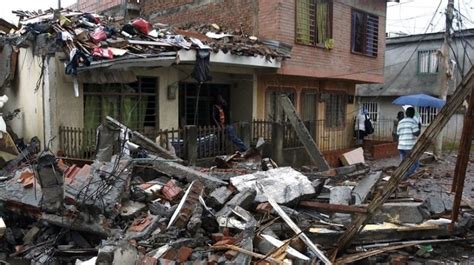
<point>434,177</point>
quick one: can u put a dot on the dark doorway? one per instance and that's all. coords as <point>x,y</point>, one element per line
<point>188,94</point>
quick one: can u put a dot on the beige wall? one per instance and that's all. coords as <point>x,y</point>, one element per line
<point>61,108</point>
<point>65,108</point>
<point>168,109</point>
<point>23,95</point>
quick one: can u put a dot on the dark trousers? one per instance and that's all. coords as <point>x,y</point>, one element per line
<point>232,135</point>
<point>403,154</point>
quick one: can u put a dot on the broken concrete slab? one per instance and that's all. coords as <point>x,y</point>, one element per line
<point>171,169</point>
<point>218,197</point>
<point>284,184</point>
<point>402,212</point>
<point>131,209</point>
<point>51,179</point>
<point>365,187</point>
<point>341,195</point>
<point>99,188</point>
<point>353,157</point>
<point>243,199</point>
<point>124,254</point>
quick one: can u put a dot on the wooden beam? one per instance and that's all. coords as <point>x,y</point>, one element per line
<point>420,147</point>
<point>146,143</point>
<point>338,208</point>
<point>303,134</point>
<point>293,226</point>
<point>462,159</point>
<point>248,252</point>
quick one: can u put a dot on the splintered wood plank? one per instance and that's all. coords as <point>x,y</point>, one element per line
<point>303,134</point>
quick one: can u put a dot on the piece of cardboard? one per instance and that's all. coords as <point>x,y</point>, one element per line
<point>353,157</point>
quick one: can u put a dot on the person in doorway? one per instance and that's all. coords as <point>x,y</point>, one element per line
<point>219,119</point>
<point>359,126</point>
<point>400,116</point>
<point>407,132</point>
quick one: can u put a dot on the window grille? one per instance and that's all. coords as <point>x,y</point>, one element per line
<point>427,114</point>
<point>313,22</point>
<point>365,33</point>
<point>336,110</point>
<point>427,62</point>
<point>134,104</point>
<point>372,109</point>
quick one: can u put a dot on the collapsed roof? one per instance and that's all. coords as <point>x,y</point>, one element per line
<point>89,38</point>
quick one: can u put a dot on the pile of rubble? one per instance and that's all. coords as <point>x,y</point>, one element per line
<point>138,204</point>
<point>89,37</point>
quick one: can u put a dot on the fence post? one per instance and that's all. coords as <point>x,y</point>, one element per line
<point>245,133</point>
<point>277,142</point>
<point>190,144</point>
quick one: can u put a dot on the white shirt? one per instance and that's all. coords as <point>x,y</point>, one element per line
<point>360,123</point>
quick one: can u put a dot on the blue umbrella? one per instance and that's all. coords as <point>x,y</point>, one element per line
<point>420,100</point>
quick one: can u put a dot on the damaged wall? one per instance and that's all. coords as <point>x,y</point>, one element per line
<point>65,109</point>
<point>22,95</point>
<point>232,14</point>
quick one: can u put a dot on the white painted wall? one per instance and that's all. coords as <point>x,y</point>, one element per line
<point>23,95</point>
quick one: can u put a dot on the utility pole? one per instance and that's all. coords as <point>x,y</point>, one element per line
<point>446,73</point>
<point>59,4</point>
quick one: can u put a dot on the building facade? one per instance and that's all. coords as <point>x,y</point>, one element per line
<point>335,46</point>
<point>412,67</point>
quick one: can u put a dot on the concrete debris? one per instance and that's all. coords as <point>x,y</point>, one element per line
<point>365,186</point>
<point>285,184</point>
<point>110,212</point>
<point>403,213</point>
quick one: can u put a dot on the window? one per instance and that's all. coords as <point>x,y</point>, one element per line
<point>365,33</point>
<point>309,103</point>
<point>273,109</point>
<point>427,62</point>
<point>134,104</point>
<point>372,109</point>
<point>427,114</point>
<point>335,110</point>
<point>313,22</point>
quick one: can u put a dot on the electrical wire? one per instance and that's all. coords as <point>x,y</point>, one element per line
<point>386,87</point>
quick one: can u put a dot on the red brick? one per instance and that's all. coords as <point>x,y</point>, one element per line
<point>171,191</point>
<point>184,253</point>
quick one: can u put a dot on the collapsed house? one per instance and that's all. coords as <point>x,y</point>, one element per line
<point>139,205</point>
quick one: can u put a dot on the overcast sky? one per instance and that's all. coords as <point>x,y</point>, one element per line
<point>414,16</point>
<point>408,16</point>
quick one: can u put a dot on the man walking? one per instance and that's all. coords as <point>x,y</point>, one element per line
<point>408,131</point>
<point>218,117</point>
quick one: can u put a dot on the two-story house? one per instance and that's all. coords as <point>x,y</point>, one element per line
<point>334,46</point>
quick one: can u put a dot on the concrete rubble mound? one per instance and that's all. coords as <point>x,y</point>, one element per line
<point>151,208</point>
